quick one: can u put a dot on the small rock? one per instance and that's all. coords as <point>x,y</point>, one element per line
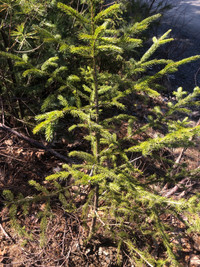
<point>100,251</point>
<point>194,261</point>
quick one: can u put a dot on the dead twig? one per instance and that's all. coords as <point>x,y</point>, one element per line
<point>7,235</point>
<point>187,190</point>
<point>29,51</point>
<point>175,188</point>
<point>14,158</point>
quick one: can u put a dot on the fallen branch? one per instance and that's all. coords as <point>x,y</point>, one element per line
<point>175,188</point>
<point>35,143</point>
<point>186,191</point>
<point>8,156</point>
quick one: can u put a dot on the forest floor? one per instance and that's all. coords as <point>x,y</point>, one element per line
<point>21,162</point>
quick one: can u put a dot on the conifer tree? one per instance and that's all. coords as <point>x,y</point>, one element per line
<point>121,198</point>
<point>30,31</point>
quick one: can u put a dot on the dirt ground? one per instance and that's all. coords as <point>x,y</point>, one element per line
<point>64,244</point>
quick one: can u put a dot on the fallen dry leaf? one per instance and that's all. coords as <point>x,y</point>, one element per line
<point>8,142</point>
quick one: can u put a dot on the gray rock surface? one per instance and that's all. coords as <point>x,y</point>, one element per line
<point>184,20</point>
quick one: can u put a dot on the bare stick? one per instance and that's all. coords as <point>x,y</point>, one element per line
<point>29,51</point>
<point>175,188</point>
<point>8,156</point>
<point>4,232</point>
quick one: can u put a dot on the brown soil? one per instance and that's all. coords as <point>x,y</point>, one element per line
<point>19,163</point>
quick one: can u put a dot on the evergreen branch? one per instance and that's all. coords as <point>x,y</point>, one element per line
<point>99,30</point>
<point>84,36</point>
<point>153,62</point>
<point>144,24</point>
<point>110,40</point>
<point>33,71</point>
<point>178,137</point>
<point>48,36</point>
<point>73,13</point>
<point>172,66</point>
<point>11,56</point>
<point>81,50</point>
<point>139,253</point>
<point>83,155</point>
<point>113,9</point>
<point>59,175</point>
<point>143,86</point>
<point>156,44</point>
<point>112,48</point>
<point>50,62</point>
<point>35,198</point>
<point>121,117</point>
